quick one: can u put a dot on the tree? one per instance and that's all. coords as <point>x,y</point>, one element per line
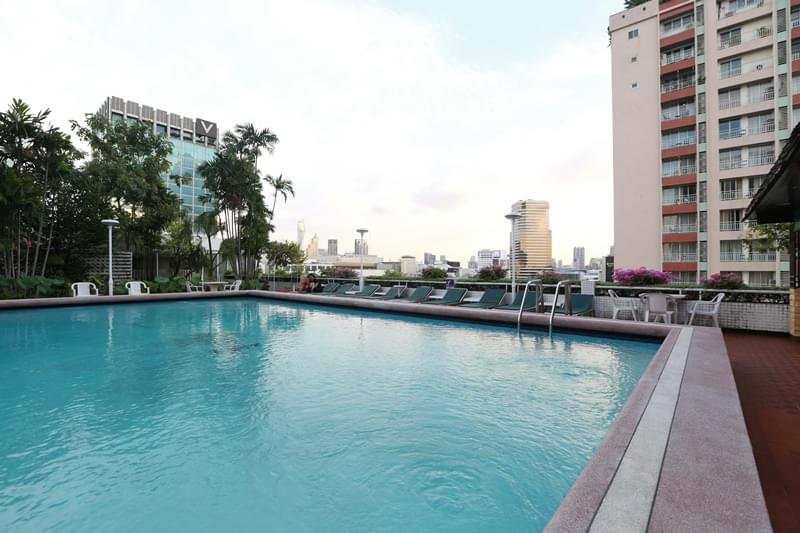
<point>186,253</point>
<point>491,273</point>
<point>765,237</point>
<point>279,186</point>
<point>284,254</point>
<point>129,161</point>
<point>208,224</point>
<point>434,273</point>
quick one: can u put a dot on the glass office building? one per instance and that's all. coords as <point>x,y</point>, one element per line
<point>194,141</point>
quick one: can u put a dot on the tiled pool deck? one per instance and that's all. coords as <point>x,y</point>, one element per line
<point>767,373</point>
<point>677,457</point>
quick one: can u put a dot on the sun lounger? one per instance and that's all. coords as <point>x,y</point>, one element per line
<point>420,294</point>
<point>329,288</point>
<point>530,302</point>
<point>582,304</point>
<point>451,297</point>
<point>340,290</point>
<point>369,290</point>
<point>491,298</point>
<point>391,294</point>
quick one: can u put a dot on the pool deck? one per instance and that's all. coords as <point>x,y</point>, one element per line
<point>767,373</point>
<point>676,458</point>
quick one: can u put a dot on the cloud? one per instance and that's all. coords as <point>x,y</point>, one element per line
<point>379,125</point>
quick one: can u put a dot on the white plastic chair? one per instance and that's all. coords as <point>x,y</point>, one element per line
<point>658,306</point>
<point>193,288</point>
<point>233,286</point>
<point>710,309</point>
<point>137,288</point>
<point>623,305</point>
<point>84,288</point>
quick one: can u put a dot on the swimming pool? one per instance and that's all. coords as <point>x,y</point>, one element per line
<point>244,414</point>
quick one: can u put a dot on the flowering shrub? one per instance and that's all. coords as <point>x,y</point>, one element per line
<point>641,276</point>
<point>718,281</point>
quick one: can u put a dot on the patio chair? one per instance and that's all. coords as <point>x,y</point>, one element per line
<point>530,302</point>
<point>490,298</point>
<point>193,288</point>
<point>391,294</point>
<point>709,309</point>
<point>233,286</point>
<point>623,305</point>
<point>137,288</point>
<point>582,304</point>
<point>657,305</point>
<point>369,290</point>
<point>420,294</point>
<point>451,297</point>
<point>84,288</point>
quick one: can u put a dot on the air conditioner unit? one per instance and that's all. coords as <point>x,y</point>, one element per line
<point>760,67</point>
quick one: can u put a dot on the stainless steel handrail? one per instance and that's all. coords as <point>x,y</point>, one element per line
<point>566,284</point>
<point>522,303</point>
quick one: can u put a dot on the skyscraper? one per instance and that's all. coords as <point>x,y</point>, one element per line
<point>361,247</point>
<point>704,93</point>
<point>428,258</point>
<point>313,247</point>
<point>531,237</point>
<point>578,258</point>
<point>301,233</point>
<point>194,141</point>
<point>333,247</point>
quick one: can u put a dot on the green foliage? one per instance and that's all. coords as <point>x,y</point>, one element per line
<point>392,274</point>
<point>491,273</point>
<point>767,237</point>
<point>284,254</point>
<point>33,287</point>
<point>186,253</point>
<point>434,273</point>
<point>550,278</point>
<point>163,285</point>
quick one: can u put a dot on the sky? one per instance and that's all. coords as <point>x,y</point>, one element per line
<point>420,120</point>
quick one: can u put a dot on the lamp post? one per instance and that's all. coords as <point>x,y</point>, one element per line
<point>362,231</point>
<point>110,224</point>
<point>513,217</point>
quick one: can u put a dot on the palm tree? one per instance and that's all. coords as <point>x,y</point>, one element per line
<point>282,187</point>
<point>248,141</point>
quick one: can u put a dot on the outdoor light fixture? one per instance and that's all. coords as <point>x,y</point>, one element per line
<point>110,224</point>
<point>362,231</point>
<point>513,217</point>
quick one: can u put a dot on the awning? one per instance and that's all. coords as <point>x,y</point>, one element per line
<point>779,195</point>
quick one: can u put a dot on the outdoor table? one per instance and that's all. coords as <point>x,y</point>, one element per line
<point>214,286</point>
<point>673,299</point>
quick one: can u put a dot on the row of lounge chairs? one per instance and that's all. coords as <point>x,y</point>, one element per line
<point>490,299</point>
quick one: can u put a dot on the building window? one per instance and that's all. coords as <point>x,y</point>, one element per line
<point>633,34</point>
<point>730,68</point>
<point>634,59</point>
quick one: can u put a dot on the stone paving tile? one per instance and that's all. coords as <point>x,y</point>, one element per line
<point>767,373</point>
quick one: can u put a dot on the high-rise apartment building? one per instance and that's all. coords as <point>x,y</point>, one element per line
<point>579,258</point>
<point>301,233</point>
<point>491,258</point>
<point>333,247</point>
<point>531,238</point>
<point>428,258</point>
<point>704,96</point>
<point>194,141</point>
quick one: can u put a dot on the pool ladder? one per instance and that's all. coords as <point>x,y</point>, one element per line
<point>540,297</point>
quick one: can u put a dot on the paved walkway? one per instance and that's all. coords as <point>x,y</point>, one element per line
<point>767,373</point>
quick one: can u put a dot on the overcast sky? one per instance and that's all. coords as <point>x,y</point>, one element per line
<point>421,120</point>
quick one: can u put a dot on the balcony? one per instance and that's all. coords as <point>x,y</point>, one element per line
<point>736,194</point>
<point>684,170</point>
<point>732,10</point>
<point>767,127</point>
<point>680,200</point>
<point>759,96</point>
<point>679,228</point>
<point>741,257</point>
<point>677,85</point>
<point>686,257</point>
<point>731,226</point>
<point>744,38</point>
<point>745,68</point>
<point>734,163</point>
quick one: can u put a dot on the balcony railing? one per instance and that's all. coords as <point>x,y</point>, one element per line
<point>675,58</point>
<point>672,114</point>
<point>744,68</point>
<point>795,55</point>
<point>686,257</point>
<point>680,200</point>
<point>730,226</point>
<point>795,19</point>
<point>766,127</point>
<point>676,85</point>
<point>757,161</point>
<point>732,10</point>
<point>735,40</point>
<point>753,98</point>
<point>676,30</point>
<point>684,170</point>
<point>675,142</point>
<point>680,228</point>
<point>741,257</point>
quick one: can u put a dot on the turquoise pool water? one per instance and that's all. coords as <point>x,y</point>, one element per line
<point>245,415</point>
